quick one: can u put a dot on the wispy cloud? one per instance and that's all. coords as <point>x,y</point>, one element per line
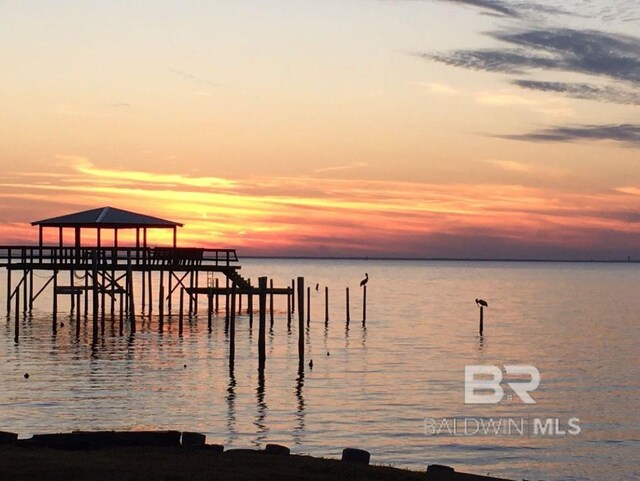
<point>628,134</point>
<point>339,168</point>
<point>609,94</point>
<point>579,51</point>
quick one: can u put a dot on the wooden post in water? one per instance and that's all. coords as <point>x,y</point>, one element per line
<point>196,275</point>
<point>55,300</point>
<point>132,307</point>
<point>326,305</point>
<point>190,295</point>
<point>308,306</point>
<point>94,291</point>
<point>181,312</point>
<point>17,314</point>
<point>169,289</point>
<point>271,302</point>
<point>348,313</point>
<point>161,299</point>
<point>288,309</point>
<point>30,290</point>
<point>8,282</point>
<point>150,283</point>
<point>161,306</point>
<point>301,319</point>
<point>250,308</point>
<point>226,306</point>
<point>262,352</point>
<point>86,290</point>
<point>25,296</point>
<point>209,308</point>
<point>232,327</point>
<point>364,304</point>
<point>143,287</point>
<point>72,296</point>
<point>293,296</point>
<point>481,319</point>
<point>217,296</point>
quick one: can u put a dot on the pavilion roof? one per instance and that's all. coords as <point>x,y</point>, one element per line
<point>109,218</point>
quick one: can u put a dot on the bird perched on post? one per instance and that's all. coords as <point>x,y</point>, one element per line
<point>481,303</point>
<point>317,286</point>
<point>364,281</point>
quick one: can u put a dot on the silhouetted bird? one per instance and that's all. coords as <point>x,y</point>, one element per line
<point>365,280</point>
<point>317,286</point>
<point>482,303</point>
<point>311,364</point>
<point>26,375</point>
<point>328,354</point>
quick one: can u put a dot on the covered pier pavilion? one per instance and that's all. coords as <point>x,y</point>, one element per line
<point>98,270</point>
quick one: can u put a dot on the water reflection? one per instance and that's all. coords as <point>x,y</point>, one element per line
<point>231,407</point>
<point>299,428</point>
<point>261,414</point>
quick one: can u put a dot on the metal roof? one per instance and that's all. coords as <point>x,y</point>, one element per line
<point>107,217</point>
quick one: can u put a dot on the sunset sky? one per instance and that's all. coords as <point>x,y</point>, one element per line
<point>402,128</point>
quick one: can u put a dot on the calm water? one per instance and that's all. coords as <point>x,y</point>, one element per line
<point>579,324</point>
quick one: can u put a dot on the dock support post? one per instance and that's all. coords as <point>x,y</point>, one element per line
<point>262,286</point>
<point>55,300</point>
<point>217,283</point>
<point>150,283</point>
<point>25,291</point>
<point>17,314</point>
<point>190,295</point>
<point>288,309</point>
<point>232,327</point>
<point>73,297</point>
<point>301,319</point>
<point>250,308</point>
<point>209,309</point>
<point>481,319</point>
<point>226,307</point>
<point>143,287</point>
<point>169,281</point>
<point>293,296</point>
<point>94,300</point>
<point>8,282</point>
<point>181,312</point>
<point>326,305</point>
<point>30,290</point>
<point>364,305</point>
<point>348,313</point>
<point>196,275</point>
<point>161,306</point>
<point>308,305</point>
<point>271,302</point>
<point>86,292</point>
<point>132,307</point>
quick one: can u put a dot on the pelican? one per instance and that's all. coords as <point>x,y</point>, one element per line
<point>364,281</point>
<point>311,364</point>
<point>481,303</point>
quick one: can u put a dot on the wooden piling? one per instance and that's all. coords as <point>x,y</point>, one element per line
<point>86,291</point>
<point>94,289</point>
<point>169,289</point>
<point>132,307</point>
<point>9,282</point>
<point>481,319</point>
<point>191,295</point>
<point>25,292</point>
<point>217,296</point>
<point>289,310</point>
<point>326,305</point>
<point>161,306</point>
<point>17,316</point>
<point>308,306</point>
<point>195,296</point>
<point>181,311</point>
<point>250,309</point>
<point>209,309</point>
<point>30,290</point>
<point>271,302</point>
<point>262,356</point>
<point>55,299</point>
<point>348,313</point>
<point>71,284</point>
<point>150,283</point>
<point>364,304</point>
<point>293,294</point>
<point>232,327</point>
<point>301,319</point>
<point>143,288</point>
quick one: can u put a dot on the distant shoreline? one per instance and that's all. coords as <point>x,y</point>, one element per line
<point>446,259</point>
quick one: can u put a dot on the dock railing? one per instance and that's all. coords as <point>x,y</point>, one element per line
<point>36,256</point>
